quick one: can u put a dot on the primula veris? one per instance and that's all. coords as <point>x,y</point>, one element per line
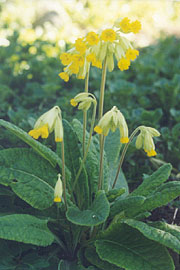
<point>145,140</point>
<point>47,123</point>
<point>93,49</point>
<point>58,190</point>
<point>113,119</point>
<point>84,100</point>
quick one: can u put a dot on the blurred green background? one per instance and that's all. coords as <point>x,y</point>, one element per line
<point>33,34</point>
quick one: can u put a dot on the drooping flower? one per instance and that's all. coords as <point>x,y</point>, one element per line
<point>135,26</point>
<point>125,25</point>
<point>84,99</point>
<point>131,54</point>
<point>47,123</point>
<point>66,58</point>
<point>80,45</point>
<point>58,190</point>
<point>111,120</point>
<point>145,140</point>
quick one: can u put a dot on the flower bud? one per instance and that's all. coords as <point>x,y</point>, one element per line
<point>58,190</point>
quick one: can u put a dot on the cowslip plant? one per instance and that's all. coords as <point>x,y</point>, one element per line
<point>89,214</point>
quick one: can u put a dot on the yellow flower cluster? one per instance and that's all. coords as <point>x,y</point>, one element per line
<point>94,48</point>
<point>126,26</point>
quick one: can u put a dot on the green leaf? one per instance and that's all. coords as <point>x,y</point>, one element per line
<point>128,248</point>
<point>151,182</point>
<point>29,176</point>
<point>172,229</point>
<point>166,193</point>
<point>73,160</point>
<point>26,229</point>
<point>127,203</point>
<point>95,215</point>
<point>42,150</point>
<point>93,258</point>
<point>115,193</point>
<point>112,147</point>
<point>158,235</point>
<point>121,182</point>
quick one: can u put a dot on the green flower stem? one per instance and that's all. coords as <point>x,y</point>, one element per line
<point>88,144</point>
<point>100,183</point>
<point>123,155</point>
<point>63,174</point>
<point>102,88</point>
<point>85,114</point>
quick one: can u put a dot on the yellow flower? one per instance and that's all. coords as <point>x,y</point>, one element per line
<point>78,59</point>
<point>92,38</point>
<point>108,35</point>
<point>73,102</point>
<point>131,54</point>
<point>84,99</point>
<point>125,25</point>
<point>135,26</point>
<point>66,58</point>
<point>111,120</point>
<point>58,190</point>
<point>64,76</point>
<point>97,63</point>
<point>47,123</point>
<point>145,140</point>
<point>123,64</point>
<point>74,68</point>
<point>91,57</point>
<point>80,45</point>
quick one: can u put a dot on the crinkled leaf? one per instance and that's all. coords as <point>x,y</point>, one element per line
<point>159,235</point>
<point>95,215</point>
<point>153,181</point>
<point>128,248</point>
<point>31,177</point>
<point>26,229</point>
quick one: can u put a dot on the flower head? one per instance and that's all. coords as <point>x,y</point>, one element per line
<point>111,120</point>
<point>58,190</point>
<point>145,140</point>
<point>47,123</point>
<point>94,49</point>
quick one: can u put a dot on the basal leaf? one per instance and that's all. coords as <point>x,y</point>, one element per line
<point>127,204</point>
<point>31,177</point>
<point>44,151</point>
<point>165,193</point>
<point>159,235</point>
<point>93,258</point>
<point>73,161</point>
<point>95,215</point>
<point>25,228</point>
<point>153,181</point>
<point>128,248</point>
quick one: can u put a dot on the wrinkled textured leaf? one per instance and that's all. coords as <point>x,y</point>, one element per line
<point>151,182</point>
<point>37,146</point>
<point>127,204</point>
<point>28,175</point>
<point>95,215</point>
<point>166,193</point>
<point>92,160</point>
<point>25,228</point>
<point>159,235</point>
<point>73,160</point>
<point>128,248</point>
<point>93,258</point>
